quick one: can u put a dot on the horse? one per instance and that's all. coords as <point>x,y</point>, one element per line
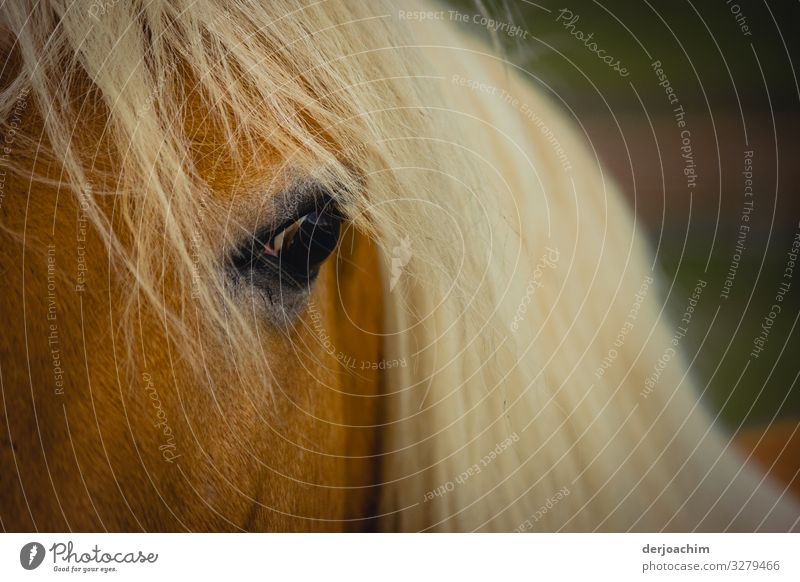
<point>327,266</point>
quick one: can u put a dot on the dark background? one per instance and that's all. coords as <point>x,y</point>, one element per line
<point>739,92</point>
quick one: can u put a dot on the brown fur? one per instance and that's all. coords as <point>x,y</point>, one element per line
<point>89,459</point>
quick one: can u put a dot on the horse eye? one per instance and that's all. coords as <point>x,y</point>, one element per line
<point>288,257</point>
<point>297,250</point>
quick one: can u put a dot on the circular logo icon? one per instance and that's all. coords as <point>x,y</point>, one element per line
<point>31,555</point>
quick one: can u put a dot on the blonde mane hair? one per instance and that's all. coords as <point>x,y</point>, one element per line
<point>515,274</point>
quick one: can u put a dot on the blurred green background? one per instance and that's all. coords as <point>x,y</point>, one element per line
<point>740,92</point>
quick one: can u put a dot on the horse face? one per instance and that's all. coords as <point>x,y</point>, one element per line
<point>111,423</point>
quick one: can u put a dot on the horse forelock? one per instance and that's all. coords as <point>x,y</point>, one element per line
<point>177,120</point>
